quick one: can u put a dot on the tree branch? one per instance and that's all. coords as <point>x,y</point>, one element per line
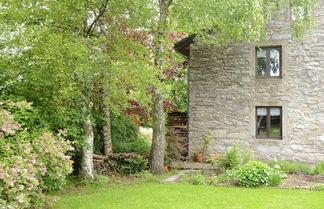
<point>101,12</point>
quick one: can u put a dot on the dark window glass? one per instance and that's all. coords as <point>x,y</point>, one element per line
<point>275,126</point>
<point>268,62</point>
<point>262,121</point>
<point>268,122</point>
<point>261,68</point>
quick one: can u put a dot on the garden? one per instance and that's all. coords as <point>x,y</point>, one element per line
<point>78,79</point>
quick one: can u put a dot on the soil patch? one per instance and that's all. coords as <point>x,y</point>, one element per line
<point>294,181</point>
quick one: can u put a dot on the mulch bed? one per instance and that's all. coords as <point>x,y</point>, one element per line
<point>294,181</point>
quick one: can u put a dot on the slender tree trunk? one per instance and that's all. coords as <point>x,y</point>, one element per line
<point>158,140</point>
<point>106,130</point>
<point>87,149</point>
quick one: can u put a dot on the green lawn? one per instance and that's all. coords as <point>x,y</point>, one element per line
<point>178,196</point>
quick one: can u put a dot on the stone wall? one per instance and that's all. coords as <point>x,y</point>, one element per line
<point>224,91</point>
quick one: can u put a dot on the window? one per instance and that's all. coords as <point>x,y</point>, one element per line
<point>268,122</point>
<point>268,61</point>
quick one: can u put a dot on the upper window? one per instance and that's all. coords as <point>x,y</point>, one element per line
<point>268,61</point>
<point>268,122</point>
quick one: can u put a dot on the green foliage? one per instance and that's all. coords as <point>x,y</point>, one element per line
<point>214,180</point>
<point>319,168</point>
<point>198,179</point>
<point>133,166</point>
<point>234,158</point>
<point>125,136</point>
<point>207,139</point>
<point>291,167</point>
<point>275,180</point>
<point>194,179</point>
<point>143,174</point>
<point>254,174</point>
<point>146,176</point>
<point>220,22</point>
<point>138,145</point>
<point>318,187</point>
<point>54,55</point>
<point>31,162</point>
<point>123,128</point>
<point>179,91</point>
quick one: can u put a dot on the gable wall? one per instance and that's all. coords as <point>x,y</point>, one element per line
<point>223,94</point>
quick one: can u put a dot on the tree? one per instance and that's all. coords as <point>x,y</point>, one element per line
<point>67,53</point>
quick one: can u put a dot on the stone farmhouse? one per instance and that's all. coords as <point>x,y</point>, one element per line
<point>269,97</point>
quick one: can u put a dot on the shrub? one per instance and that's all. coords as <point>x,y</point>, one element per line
<point>194,178</point>
<point>234,158</point>
<point>30,162</point>
<point>124,134</point>
<point>275,180</point>
<point>133,166</point>
<point>319,168</point>
<point>138,145</point>
<point>213,180</point>
<point>197,179</point>
<point>292,167</point>
<point>254,174</point>
<point>229,175</point>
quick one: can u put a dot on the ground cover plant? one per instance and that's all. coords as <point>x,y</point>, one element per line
<point>319,168</point>
<point>144,195</point>
<point>292,167</point>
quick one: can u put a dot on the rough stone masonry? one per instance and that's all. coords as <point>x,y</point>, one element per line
<point>224,93</point>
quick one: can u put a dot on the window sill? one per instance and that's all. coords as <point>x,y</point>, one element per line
<point>269,138</point>
<point>274,77</point>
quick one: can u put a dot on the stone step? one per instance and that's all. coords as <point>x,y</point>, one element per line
<point>193,165</point>
<point>175,178</point>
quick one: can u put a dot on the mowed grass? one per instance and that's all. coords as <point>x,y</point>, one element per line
<point>185,196</point>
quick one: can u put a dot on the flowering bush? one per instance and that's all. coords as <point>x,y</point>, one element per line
<point>30,162</point>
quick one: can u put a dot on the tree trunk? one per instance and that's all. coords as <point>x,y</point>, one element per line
<point>106,129</point>
<point>87,149</point>
<point>158,140</point>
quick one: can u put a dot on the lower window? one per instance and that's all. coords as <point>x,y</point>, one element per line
<point>269,122</point>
